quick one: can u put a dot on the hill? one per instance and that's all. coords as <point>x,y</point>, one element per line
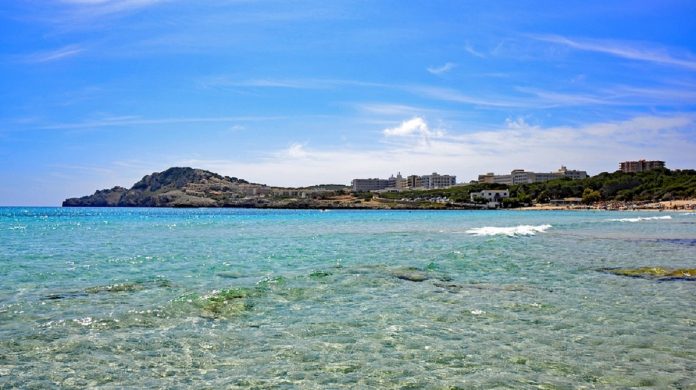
<point>175,187</point>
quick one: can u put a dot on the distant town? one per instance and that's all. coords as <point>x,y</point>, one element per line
<point>517,176</point>
<point>491,197</point>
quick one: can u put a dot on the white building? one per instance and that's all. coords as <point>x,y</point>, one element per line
<point>437,181</point>
<point>360,185</point>
<point>520,176</point>
<point>492,197</point>
<point>399,182</point>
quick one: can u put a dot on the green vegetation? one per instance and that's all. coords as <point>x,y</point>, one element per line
<point>654,185</point>
<point>458,194</point>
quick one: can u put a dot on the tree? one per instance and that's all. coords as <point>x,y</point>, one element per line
<point>591,196</point>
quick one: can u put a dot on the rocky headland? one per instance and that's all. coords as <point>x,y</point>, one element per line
<point>189,187</point>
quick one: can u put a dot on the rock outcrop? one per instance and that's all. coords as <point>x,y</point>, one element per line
<point>175,187</point>
<point>655,273</point>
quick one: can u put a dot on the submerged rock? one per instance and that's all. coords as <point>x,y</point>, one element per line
<point>456,287</point>
<point>118,287</point>
<point>656,273</point>
<point>319,274</point>
<point>229,275</point>
<point>228,302</point>
<point>130,286</point>
<point>64,295</point>
<point>411,274</point>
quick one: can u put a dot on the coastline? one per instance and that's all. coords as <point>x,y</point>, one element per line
<point>673,205</point>
<point>676,205</point>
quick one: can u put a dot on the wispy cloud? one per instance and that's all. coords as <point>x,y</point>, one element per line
<point>137,121</point>
<point>629,50</point>
<point>518,97</point>
<point>96,8</point>
<point>452,95</point>
<point>427,91</point>
<point>555,99</point>
<point>392,109</point>
<point>671,95</point>
<point>300,83</point>
<point>438,70</point>
<point>470,49</point>
<point>54,55</point>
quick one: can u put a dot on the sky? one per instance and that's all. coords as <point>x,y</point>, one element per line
<point>99,93</point>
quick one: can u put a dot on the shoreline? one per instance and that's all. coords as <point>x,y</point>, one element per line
<point>676,205</point>
<point>673,205</point>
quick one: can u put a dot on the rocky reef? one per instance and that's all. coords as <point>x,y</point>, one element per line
<point>656,273</point>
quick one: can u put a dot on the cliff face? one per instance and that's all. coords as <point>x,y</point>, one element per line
<point>175,187</point>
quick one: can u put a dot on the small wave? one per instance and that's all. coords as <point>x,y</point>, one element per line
<point>521,230</point>
<point>638,219</point>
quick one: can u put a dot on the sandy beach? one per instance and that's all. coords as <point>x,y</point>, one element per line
<point>688,205</point>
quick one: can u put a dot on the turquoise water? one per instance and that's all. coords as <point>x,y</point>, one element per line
<point>308,299</point>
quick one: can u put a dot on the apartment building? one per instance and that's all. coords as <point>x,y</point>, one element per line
<point>414,181</point>
<point>398,182</point>
<point>640,166</point>
<point>437,181</point>
<point>374,184</point>
<point>520,176</point>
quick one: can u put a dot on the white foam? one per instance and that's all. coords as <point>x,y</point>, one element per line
<point>638,219</point>
<point>521,230</point>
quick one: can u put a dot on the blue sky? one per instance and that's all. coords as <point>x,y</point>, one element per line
<point>97,93</point>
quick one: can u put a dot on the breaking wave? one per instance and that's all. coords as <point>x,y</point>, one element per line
<point>638,219</point>
<point>512,231</point>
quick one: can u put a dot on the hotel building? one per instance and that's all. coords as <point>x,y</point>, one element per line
<point>520,176</point>
<point>398,182</point>
<point>640,166</point>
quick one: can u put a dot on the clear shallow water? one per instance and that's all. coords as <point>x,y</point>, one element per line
<point>279,298</point>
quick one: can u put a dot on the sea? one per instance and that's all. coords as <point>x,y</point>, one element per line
<point>247,298</point>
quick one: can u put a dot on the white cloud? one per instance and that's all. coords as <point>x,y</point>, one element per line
<point>414,126</point>
<point>518,123</point>
<point>469,49</point>
<point>629,50</point>
<point>296,150</point>
<point>442,69</point>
